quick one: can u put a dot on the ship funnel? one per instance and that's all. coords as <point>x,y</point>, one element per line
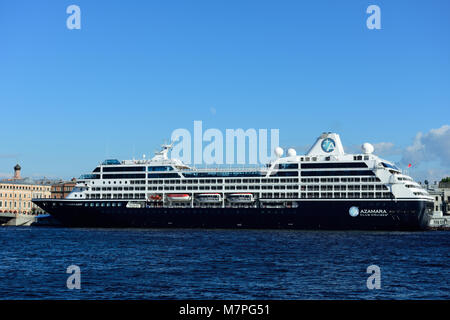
<point>327,144</point>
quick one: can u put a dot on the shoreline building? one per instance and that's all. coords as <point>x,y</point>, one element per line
<point>62,189</point>
<point>441,196</point>
<point>445,188</point>
<point>16,194</point>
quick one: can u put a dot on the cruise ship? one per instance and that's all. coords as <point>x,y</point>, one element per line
<point>323,189</point>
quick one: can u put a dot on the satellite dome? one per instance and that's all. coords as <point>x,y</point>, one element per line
<point>292,152</point>
<point>367,148</point>
<point>279,152</point>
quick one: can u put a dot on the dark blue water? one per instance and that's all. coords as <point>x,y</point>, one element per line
<point>222,264</point>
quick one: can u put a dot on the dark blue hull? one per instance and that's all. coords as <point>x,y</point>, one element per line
<point>332,215</point>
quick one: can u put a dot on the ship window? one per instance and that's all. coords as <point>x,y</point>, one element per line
<point>90,176</point>
<point>337,173</point>
<point>110,162</point>
<point>124,176</point>
<point>387,165</point>
<point>286,174</point>
<point>163,175</point>
<point>160,168</point>
<point>336,165</point>
<point>222,174</point>
<point>288,166</point>
<point>123,169</point>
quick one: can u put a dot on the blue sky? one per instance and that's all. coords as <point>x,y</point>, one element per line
<point>137,70</point>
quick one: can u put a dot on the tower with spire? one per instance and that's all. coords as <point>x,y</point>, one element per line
<point>17,169</point>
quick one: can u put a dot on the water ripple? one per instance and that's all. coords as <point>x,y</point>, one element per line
<point>222,264</point>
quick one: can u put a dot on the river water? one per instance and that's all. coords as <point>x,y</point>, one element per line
<point>222,264</point>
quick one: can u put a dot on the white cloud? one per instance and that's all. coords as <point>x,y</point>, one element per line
<point>431,146</point>
<point>386,149</point>
<point>432,175</point>
<point>429,154</point>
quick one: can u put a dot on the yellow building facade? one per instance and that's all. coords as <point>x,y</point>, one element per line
<point>16,194</point>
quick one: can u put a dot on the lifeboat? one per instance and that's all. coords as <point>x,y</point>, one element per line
<point>240,198</point>
<point>208,197</point>
<point>155,197</point>
<point>135,204</point>
<point>182,197</point>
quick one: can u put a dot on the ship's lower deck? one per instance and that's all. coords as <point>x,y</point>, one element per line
<point>330,214</point>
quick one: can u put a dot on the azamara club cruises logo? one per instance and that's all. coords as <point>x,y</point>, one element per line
<point>370,211</point>
<point>354,211</point>
<point>328,145</point>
